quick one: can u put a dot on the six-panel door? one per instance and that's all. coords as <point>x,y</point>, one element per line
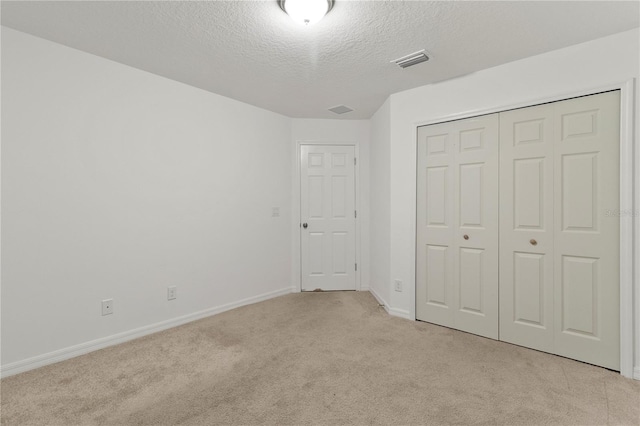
<point>587,229</point>
<point>526,227</point>
<point>457,227</point>
<point>559,228</point>
<point>559,234</point>
<point>327,206</point>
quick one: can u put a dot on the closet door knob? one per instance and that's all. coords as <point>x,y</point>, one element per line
<point>466,237</point>
<point>533,242</point>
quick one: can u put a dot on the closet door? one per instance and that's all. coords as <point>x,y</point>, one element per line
<point>457,210</point>
<point>526,227</point>
<point>559,232</point>
<point>435,250</point>
<point>476,230</point>
<point>587,229</point>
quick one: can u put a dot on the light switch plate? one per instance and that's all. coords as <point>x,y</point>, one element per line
<point>172,292</point>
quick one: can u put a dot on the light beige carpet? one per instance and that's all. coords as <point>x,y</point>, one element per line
<point>324,358</point>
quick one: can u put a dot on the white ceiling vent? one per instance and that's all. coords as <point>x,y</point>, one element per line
<point>412,59</point>
<point>340,109</point>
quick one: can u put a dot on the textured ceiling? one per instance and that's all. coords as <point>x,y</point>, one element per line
<point>253,52</point>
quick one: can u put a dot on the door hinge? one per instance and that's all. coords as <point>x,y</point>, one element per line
<point>356,266</point>
<point>355,213</point>
<point>355,161</point>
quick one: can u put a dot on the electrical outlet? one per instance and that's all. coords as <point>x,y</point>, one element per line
<point>397,286</point>
<point>172,292</point>
<point>107,307</point>
<point>275,212</point>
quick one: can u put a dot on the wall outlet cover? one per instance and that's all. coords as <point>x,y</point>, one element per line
<point>107,307</point>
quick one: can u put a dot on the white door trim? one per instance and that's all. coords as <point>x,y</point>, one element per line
<point>629,210</point>
<point>297,220</point>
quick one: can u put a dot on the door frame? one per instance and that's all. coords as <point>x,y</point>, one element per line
<point>296,247</point>
<point>629,208</point>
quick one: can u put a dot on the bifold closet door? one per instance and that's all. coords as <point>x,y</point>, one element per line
<point>457,227</point>
<point>587,229</point>
<point>559,234</point>
<point>526,227</point>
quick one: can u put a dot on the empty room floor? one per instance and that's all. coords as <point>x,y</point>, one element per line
<point>324,358</point>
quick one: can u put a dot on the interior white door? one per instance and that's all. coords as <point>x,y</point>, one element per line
<point>328,217</point>
<point>526,227</point>
<point>457,232</point>
<point>559,233</point>
<point>559,227</point>
<point>587,229</point>
<point>435,244</point>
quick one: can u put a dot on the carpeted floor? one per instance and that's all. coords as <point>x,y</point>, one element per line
<point>323,358</point>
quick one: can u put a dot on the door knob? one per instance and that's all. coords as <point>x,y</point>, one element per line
<point>304,225</point>
<point>533,242</point>
<point>466,237</point>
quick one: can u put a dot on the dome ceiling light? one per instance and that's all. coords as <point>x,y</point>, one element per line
<point>306,12</point>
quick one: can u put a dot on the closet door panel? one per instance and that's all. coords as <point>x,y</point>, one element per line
<point>587,229</point>
<point>526,227</point>
<point>435,224</point>
<point>457,245</point>
<point>476,233</point>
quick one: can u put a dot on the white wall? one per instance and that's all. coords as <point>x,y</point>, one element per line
<point>323,130</point>
<point>380,180</point>
<point>586,66</point>
<point>117,183</point>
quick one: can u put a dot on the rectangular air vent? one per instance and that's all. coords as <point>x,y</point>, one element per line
<point>340,109</point>
<point>412,59</point>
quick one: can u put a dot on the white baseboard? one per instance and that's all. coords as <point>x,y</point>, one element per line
<point>636,373</point>
<point>391,311</point>
<point>400,313</point>
<point>94,345</point>
<point>380,300</point>
<point>364,288</point>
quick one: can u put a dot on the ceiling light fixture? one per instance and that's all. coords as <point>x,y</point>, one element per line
<point>306,12</point>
